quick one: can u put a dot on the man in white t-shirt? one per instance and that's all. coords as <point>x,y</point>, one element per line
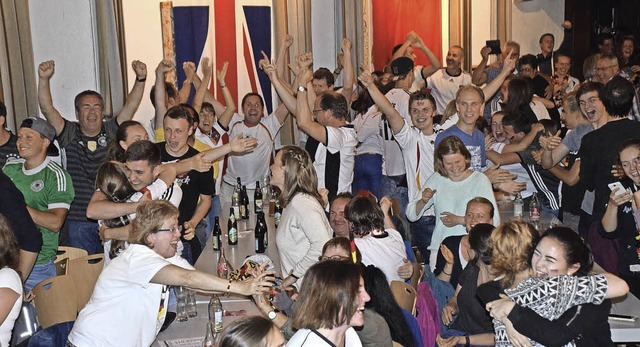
<point>332,140</point>
<point>251,166</point>
<point>445,82</point>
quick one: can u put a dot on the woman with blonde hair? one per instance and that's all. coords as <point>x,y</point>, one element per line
<point>304,227</point>
<point>512,246</point>
<point>128,304</point>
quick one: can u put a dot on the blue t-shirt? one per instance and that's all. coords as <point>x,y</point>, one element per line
<point>473,142</point>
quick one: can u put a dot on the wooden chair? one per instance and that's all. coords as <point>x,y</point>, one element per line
<point>62,265</point>
<point>416,278</point>
<point>405,295</point>
<point>70,252</point>
<point>55,300</point>
<point>85,272</point>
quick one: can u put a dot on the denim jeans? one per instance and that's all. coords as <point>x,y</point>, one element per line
<point>389,187</point>
<point>367,174</point>
<point>421,232</point>
<point>39,273</point>
<point>84,235</point>
<point>202,232</point>
<point>453,332</point>
<point>53,336</point>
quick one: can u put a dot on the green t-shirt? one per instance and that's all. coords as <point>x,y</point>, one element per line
<point>45,187</point>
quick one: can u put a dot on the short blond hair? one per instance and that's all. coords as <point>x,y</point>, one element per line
<point>150,216</point>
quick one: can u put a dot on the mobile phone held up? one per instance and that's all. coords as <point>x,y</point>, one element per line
<point>495,46</point>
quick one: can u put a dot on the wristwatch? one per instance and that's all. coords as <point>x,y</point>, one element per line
<point>302,89</point>
<point>273,313</point>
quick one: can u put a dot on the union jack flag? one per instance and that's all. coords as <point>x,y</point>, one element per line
<point>227,30</point>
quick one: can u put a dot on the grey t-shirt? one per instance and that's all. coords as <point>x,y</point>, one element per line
<point>574,137</point>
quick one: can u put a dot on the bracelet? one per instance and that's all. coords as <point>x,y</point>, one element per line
<point>337,71</point>
<point>224,86</point>
<point>467,341</point>
<point>141,79</point>
<point>229,287</point>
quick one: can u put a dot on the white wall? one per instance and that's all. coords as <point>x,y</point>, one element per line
<point>482,17</point>
<point>531,19</point>
<point>326,34</point>
<point>63,30</point>
<point>143,41</point>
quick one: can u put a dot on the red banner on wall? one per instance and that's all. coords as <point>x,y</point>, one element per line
<point>394,19</point>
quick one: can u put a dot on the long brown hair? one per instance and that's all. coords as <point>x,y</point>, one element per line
<point>299,174</point>
<point>9,249</point>
<point>328,296</point>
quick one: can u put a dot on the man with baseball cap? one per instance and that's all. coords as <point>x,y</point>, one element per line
<point>47,189</point>
<point>394,182</point>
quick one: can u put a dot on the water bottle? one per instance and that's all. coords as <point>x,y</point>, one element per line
<point>518,205</point>
<point>192,308</point>
<point>210,338</point>
<point>215,313</point>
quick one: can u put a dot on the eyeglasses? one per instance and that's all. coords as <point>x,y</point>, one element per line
<point>177,229</point>
<point>605,67</point>
<point>333,257</point>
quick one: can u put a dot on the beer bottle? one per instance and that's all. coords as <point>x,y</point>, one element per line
<point>232,228</point>
<point>216,235</point>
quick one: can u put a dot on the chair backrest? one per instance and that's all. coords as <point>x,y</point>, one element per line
<point>70,252</point>
<point>62,265</point>
<point>416,278</point>
<point>85,272</point>
<point>405,295</point>
<point>55,300</point>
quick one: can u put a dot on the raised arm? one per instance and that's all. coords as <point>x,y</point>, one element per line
<point>160,92</point>
<point>411,38</point>
<point>189,71</point>
<point>227,112</point>
<point>198,99</point>
<point>135,95</point>
<point>283,93</point>
<point>435,62</point>
<point>348,74</point>
<point>303,114</point>
<point>396,122</point>
<point>45,72</point>
<point>479,76</point>
<point>281,58</point>
<point>495,84</point>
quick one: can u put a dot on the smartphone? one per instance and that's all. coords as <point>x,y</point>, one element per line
<point>495,46</point>
<point>618,185</point>
<point>622,317</point>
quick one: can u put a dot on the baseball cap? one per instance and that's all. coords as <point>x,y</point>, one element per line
<point>401,66</point>
<point>45,129</point>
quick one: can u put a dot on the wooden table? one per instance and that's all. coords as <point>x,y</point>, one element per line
<point>622,332</point>
<point>192,332</point>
